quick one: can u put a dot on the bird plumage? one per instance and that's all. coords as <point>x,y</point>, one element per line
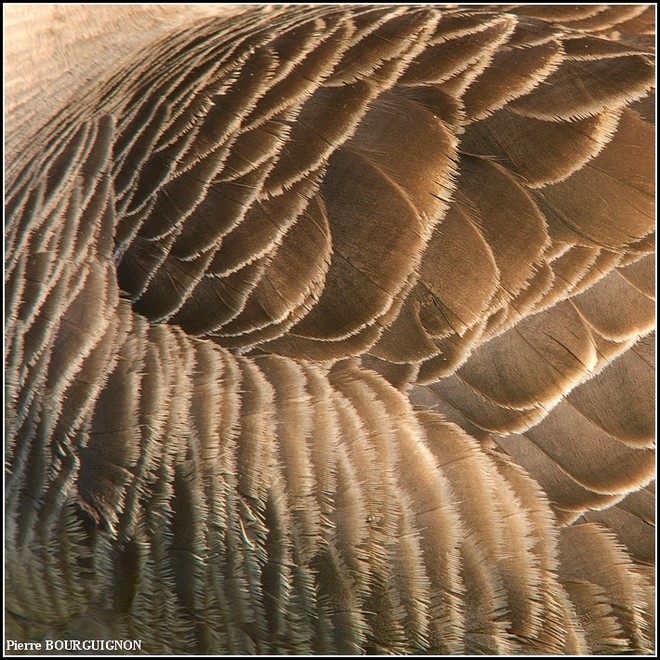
<point>329,329</point>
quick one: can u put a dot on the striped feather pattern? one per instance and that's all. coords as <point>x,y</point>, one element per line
<point>330,330</point>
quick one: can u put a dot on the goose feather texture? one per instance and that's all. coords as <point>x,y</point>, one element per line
<point>329,329</point>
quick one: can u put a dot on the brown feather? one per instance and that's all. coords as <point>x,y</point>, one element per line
<point>329,328</point>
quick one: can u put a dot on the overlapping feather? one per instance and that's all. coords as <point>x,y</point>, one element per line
<point>329,331</point>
